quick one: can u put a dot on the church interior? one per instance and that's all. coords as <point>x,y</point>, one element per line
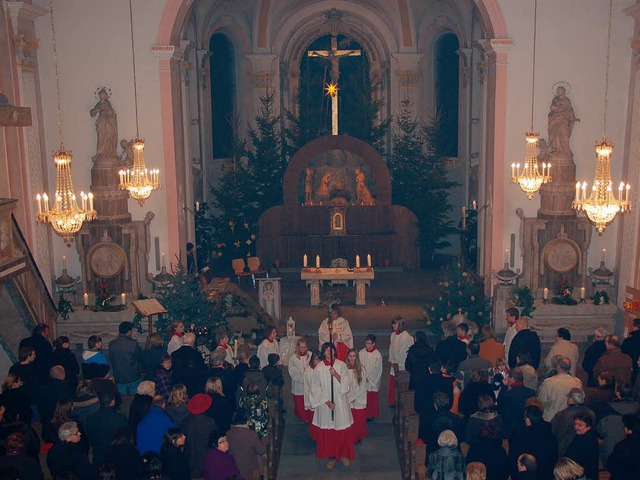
<point>375,140</point>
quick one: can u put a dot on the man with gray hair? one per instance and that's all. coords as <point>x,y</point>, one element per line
<point>593,353</point>
<point>615,360</point>
<point>68,455</point>
<point>188,366</point>
<point>562,422</point>
<point>554,390</point>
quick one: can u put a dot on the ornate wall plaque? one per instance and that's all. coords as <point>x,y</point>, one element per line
<point>107,260</point>
<point>561,255</point>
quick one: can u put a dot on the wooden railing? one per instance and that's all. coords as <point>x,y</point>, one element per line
<point>412,454</point>
<point>269,463</point>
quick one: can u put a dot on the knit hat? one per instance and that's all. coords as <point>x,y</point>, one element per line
<point>199,404</point>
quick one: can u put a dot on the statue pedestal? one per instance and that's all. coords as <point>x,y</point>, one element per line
<point>502,299</point>
<point>580,319</point>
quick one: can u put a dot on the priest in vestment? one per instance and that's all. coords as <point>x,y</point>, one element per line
<point>334,436</point>
<point>342,336</point>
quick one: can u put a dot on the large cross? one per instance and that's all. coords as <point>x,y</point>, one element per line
<point>334,56</point>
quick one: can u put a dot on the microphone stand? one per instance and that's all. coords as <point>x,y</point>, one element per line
<point>330,325</point>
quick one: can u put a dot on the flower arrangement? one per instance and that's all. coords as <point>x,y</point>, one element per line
<point>564,293</point>
<point>103,297</point>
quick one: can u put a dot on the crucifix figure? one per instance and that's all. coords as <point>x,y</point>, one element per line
<point>334,56</point>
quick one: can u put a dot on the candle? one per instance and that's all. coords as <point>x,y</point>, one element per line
<point>464,217</point>
<point>235,348</point>
<point>369,260</point>
<point>626,197</point>
<point>123,298</point>
<point>577,192</point>
<point>64,262</point>
<point>90,195</point>
<point>45,199</point>
<point>545,294</point>
<point>85,299</point>
<point>357,261</point>
<point>604,255</point>
<point>317,261</point>
<point>513,170</point>
<point>163,261</point>
<point>506,256</point>
<point>474,205</point>
<point>197,206</point>
<point>304,261</point>
<point>582,293</point>
<point>39,200</point>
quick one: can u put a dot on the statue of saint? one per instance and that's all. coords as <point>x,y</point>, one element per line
<point>543,150</point>
<point>308,183</point>
<point>126,156</point>
<point>561,120</point>
<point>322,192</point>
<point>106,127</point>
<point>363,194</point>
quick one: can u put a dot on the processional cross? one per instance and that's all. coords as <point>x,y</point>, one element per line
<point>334,56</point>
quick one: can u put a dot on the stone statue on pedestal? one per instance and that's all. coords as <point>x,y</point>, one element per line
<point>561,120</point>
<point>106,127</point>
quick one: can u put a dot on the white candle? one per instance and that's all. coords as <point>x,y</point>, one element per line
<point>545,293</point>
<point>577,192</point>
<point>304,261</point>
<point>584,191</point>
<point>45,199</point>
<point>64,262</point>
<point>474,205</point>
<point>85,299</point>
<point>163,261</point>
<point>583,292</point>
<point>197,206</point>
<point>357,261</point>
<point>626,197</point>
<point>317,261</point>
<point>90,195</point>
<point>513,170</point>
<point>506,256</point>
<point>604,255</point>
<point>368,260</point>
<point>123,298</point>
<point>548,169</point>
<point>39,200</point>
<point>235,348</point>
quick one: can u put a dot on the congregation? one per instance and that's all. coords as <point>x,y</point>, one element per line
<point>487,409</point>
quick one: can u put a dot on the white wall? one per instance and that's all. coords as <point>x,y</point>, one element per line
<point>571,47</point>
<point>94,49</point>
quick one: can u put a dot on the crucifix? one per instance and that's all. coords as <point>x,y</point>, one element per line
<point>334,56</point>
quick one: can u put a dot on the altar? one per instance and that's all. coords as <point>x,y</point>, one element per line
<point>360,277</point>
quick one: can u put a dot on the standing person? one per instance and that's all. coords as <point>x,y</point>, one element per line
<point>447,462</point>
<point>244,444</point>
<point>371,360</point>
<point>219,464</point>
<point>593,353</point>
<point>26,371</point>
<point>615,360</point>
<point>223,342</point>
<point>332,415</point>
<point>554,390</point>
<point>17,461</point>
<point>162,376</point>
<point>564,348</point>
<point>490,349</point>
<point>176,331</point>
<point>314,359</point>
<point>62,355</point>
<point>103,425</point>
<point>174,455</point>
<point>268,345</point>
<point>357,396</point>
<point>124,353</point>
<point>197,427</point>
<point>188,366</point>
<point>419,356</point>
<point>40,342</point>
<point>94,354</point>
<point>69,455</point>
<point>525,341</point>
<point>191,259</point>
<point>152,355</point>
<point>631,346</point>
<point>342,336</point>
<point>584,447</point>
<point>451,351</point>
<point>511,314</point>
<point>177,404</point>
<point>298,365</point>
<point>153,427</point>
<point>401,340</point>
<point>623,463</point>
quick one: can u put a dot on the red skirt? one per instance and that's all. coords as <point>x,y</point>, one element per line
<point>341,351</point>
<point>313,430</point>
<point>373,409</point>
<point>359,424</point>
<point>298,408</point>
<point>336,444</point>
<point>391,396</point>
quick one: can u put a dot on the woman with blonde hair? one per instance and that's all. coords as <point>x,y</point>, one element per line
<point>476,471</point>
<point>357,395</point>
<point>176,331</point>
<point>447,462</point>
<point>177,404</point>
<point>221,409</point>
<point>567,469</point>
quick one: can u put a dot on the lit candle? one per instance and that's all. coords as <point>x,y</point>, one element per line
<point>577,192</point>
<point>39,200</point>
<point>474,205</point>
<point>163,261</point>
<point>464,217</point>
<point>197,206</point>
<point>513,170</point>
<point>64,262</point>
<point>304,261</point>
<point>90,195</point>
<point>548,169</point>
<point>604,254</point>
<point>45,199</point>
<point>626,198</point>
<point>506,256</point>
<point>85,299</point>
<point>357,261</point>
<point>583,293</point>
<point>235,348</point>
<point>545,293</point>
<point>317,261</point>
<point>369,260</point>
<point>123,298</point>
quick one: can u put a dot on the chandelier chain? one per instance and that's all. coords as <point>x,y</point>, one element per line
<point>55,68</point>
<point>133,56</point>
<point>533,70</point>
<point>606,81</point>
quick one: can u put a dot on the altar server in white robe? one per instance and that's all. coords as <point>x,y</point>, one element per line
<point>298,365</point>
<point>342,336</point>
<point>357,395</point>
<point>371,360</point>
<point>268,345</point>
<point>314,360</point>
<point>223,342</point>
<point>401,340</point>
<point>334,435</point>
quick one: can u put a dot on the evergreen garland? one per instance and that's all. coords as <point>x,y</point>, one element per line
<point>523,301</point>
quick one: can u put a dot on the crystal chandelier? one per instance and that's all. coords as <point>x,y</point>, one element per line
<point>139,181</point>
<point>530,179</point>
<point>65,216</point>
<point>602,206</point>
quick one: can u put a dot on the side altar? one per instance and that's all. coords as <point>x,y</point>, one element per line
<point>360,277</point>
<point>337,204</point>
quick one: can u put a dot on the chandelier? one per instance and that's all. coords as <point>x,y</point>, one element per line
<point>530,179</point>
<point>602,206</point>
<point>139,181</point>
<point>65,216</point>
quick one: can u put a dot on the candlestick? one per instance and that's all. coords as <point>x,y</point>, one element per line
<point>85,299</point>
<point>317,261</point>
<point>304,261</point>
<point>123,298</point>
<point>64,262</point>
<point>163,261</point>
<point>583,292</point>
<point>545,293</point>
<point>369,260</point>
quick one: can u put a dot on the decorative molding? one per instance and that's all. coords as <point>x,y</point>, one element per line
<point>496,45</point>
<point>24,11</point>
<point>171,52</point>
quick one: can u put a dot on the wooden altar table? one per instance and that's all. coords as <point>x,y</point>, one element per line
<point>360,277</point>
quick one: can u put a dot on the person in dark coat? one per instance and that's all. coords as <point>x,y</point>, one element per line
<point>221,409</point>
<point>527,467</point>
<point>534,437</point>
<point>419,356</point>
<point>151,356</point>
<point>489,451</point>
<point>433,424</point>
<point>68,454</point>
<point>62,355</point>
<point>55,390</point>
<point>124,353</point>
<point>244,444</point>
<point>584,448</point>
<point>18,461</point>
<point>197,427</point>
<point>478,385</point>
<point>631,346</point>
<point>102,383</point>
<point>451,350</point>
<point>11,425</point>
<point>623,462</point>
<point>141,404</point>
<point>224,371</point>
<point>86,403</point>
<point>593,353</point>
<point>40,342</point>
<point>441,379</point>
<point>525,341</point>
<point>103,425</point>
<point>25,369</point>
<point>175,455</point>
<point>562,422</point>
<point>511,402</point>
<point>254,376</point>
<point>124,456</point>
<point>15,397</point>
<point>219,464</point>
<point>188,366</point>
